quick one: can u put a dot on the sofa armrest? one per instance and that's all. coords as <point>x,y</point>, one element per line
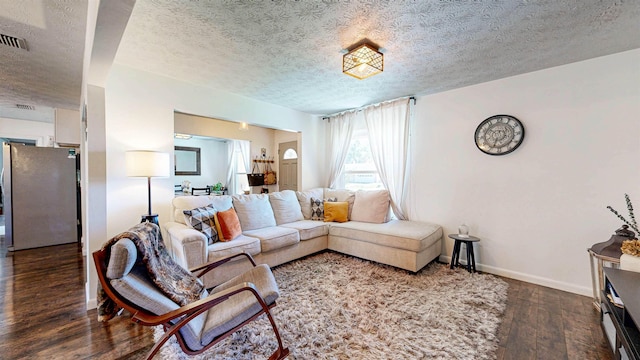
<point>189,246</point>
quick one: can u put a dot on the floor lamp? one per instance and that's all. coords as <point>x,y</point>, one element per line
<point>142,163</point>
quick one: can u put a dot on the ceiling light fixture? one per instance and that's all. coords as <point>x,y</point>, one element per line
<point>362,62</point>
<point>243,126</point>
<point>182,136</point>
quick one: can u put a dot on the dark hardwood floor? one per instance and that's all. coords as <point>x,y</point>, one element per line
<point>544,323</point>
<point>43,316</point>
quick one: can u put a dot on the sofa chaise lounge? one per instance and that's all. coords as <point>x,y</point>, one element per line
<point>283,226</point>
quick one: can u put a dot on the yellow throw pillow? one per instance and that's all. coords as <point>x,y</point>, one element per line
<point>336,211</point>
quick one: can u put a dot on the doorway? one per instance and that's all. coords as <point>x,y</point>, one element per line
<point>288,153</point>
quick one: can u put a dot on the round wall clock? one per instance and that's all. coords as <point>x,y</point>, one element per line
<point>499,135</point>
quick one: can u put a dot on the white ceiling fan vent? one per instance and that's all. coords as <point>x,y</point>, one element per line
<point>25,107</point>
<point>13,42</point>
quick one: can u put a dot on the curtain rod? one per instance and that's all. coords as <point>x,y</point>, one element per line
<point>326,117</point>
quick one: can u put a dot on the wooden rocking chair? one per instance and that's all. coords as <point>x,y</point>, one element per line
<point>201,324</point>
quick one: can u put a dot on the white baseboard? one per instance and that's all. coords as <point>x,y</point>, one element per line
<point>92,303</point>
<point>554,284</point>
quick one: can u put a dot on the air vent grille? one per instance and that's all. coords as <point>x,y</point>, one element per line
<point>13,42</point>
<point>25,107</point>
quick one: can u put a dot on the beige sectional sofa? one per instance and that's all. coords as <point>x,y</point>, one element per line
<point>277,228</point>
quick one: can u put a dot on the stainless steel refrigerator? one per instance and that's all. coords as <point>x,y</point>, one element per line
<point>40,196</point>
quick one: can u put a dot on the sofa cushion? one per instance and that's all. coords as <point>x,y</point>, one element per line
<point>304,199</point>
<point>285,205</point>
<point>219,250</point>
<point>336,211</point>
<point>371,206</point>
<point>308,229</point>
<point>342,195</point>
<point>181,203</point>
<point>221,202</point>
<point>254,211</point>
<point>409,235</point>
<point>203,220</point>
<point>274,237</point>
<point>228,225</point>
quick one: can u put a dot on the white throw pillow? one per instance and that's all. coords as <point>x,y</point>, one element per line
<point>371,206</point>
<point>342,195</point>
<point>254,211</point>
<point>286,208</point>
<point>304,199</point>
<point>181,203</point>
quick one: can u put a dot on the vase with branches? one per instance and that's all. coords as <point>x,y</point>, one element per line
<point>632,219</point>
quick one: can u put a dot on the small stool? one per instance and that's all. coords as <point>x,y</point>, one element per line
<point>468,242</point>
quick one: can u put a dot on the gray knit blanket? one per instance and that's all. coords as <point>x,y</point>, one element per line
<point>172,279</point>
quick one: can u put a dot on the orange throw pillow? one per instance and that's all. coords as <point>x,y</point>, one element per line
<point>228,225</point>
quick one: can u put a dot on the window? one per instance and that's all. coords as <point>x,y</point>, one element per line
<point>360,172</point>
<point>242,183</point>
<point>290,154</point>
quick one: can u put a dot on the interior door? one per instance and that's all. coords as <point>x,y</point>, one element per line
<point>288,177</point>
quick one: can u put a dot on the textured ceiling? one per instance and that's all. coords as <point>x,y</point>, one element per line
<point>49,75</point>
<point>288,52</point>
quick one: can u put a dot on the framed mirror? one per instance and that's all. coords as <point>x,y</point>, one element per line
<point>187,160</point>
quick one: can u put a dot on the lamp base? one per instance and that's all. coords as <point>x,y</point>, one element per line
<point>150,218</point>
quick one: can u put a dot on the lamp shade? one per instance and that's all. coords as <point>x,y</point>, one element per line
<point>147,163</point>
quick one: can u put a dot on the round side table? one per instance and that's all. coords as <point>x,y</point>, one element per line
<point>468,242</point>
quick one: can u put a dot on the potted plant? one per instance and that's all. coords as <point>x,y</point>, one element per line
<point>630,258</point>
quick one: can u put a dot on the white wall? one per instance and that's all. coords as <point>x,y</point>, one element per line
<point>42,132</point>
<point>139,110</point>
<point>259,136</point>
<point>538,209</point>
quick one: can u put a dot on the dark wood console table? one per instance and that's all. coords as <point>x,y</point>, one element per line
<point>626,320</point>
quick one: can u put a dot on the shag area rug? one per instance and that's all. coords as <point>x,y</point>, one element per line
<point>333,306</point>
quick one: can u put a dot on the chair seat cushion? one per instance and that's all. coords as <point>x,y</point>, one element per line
<point>138,288</point>
<point>239,307</point>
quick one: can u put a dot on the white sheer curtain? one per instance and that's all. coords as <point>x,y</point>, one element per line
<point>245,149</point>
<point>231,167</point>
<point>235,147</point>
<point>338,140</point>
<point>388,127</point>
